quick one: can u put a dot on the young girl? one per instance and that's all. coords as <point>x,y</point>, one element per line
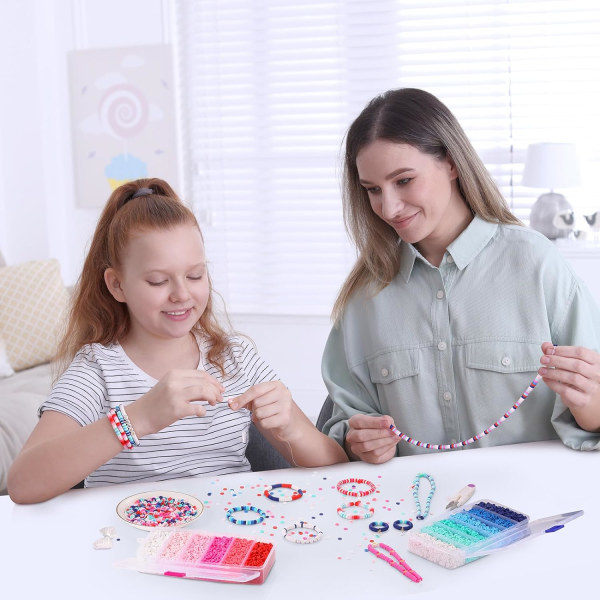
<point>439,325</point>
<point>148,353</point>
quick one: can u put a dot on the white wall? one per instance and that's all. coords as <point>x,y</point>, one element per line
<point>37,203</point>
<point>38,216</point>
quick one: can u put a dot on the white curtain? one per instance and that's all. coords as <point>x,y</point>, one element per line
<point>268,89</point>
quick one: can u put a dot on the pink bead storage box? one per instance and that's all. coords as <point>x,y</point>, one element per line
<point>198,554</point>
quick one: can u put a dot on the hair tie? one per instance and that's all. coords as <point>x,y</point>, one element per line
<point>142,192</point>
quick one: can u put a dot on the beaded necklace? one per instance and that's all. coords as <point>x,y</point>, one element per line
<point>485,432</point>
<point>415,492</point>
<point>396,561</point>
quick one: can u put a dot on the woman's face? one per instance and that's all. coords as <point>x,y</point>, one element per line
<point>415,193</point>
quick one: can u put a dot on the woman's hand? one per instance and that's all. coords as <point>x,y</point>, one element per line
<point>175,396</point>
<point>573,373</point>
<point>370,438</point>
<point>271,405</point>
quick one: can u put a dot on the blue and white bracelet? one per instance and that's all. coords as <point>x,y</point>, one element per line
<point>262,515</point>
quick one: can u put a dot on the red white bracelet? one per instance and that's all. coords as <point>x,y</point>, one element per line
<point>355,494</point>
<point>368,511</point>
<point>118,429</point>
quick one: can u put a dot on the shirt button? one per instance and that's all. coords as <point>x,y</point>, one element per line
<point>440,294</point>
<point>506,361</point>
<point>447,396</point>
<point>384,372</point>
<point>450,259</point>
<point>442,346</point>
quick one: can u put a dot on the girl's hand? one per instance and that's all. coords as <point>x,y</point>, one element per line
<point>174,397</point>
<point>271,405</point>
<point>370,438</point>
<point>575,377</point>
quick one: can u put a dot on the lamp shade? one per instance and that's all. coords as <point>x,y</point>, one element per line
<point>551,166</point>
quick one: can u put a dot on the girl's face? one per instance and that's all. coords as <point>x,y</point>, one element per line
<point>412,191</point>
<point>163,281</point>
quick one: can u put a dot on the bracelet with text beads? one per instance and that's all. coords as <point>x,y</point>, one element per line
<point>368,511</point>
<point>292,533</point>
<point>357,494</point>
<point>297,493</point>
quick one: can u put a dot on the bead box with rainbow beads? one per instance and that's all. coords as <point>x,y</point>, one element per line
<point>196,554</point>
<point>466,534</point>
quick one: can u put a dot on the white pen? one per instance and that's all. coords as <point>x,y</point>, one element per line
<point>460,498</point>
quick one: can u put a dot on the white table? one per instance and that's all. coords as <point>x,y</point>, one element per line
<point>48,547</point>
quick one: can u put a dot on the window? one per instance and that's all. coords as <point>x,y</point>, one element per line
<point>269,89</point>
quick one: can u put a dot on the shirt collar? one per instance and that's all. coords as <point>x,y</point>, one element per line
<point>463,249</point>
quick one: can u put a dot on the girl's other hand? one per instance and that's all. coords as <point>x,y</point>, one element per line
<point>175,396</point>
<point>572,372</point>
<point>271,405</point>
<point>370,438</point>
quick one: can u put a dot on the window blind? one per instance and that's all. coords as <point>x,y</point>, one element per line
<point>268,89</point>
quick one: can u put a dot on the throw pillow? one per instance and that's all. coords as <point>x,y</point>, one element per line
<point>33,304</point>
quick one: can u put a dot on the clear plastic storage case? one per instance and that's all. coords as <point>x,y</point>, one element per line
<point>466,534</point>
<point>195,554</point>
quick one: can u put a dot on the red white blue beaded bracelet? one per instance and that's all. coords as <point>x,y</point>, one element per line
<point>356,494</point>
<point>368,511</point>
<point>294,530</point>
<point>295,496</point>
<point>378,526</point>
<point>262,515</point>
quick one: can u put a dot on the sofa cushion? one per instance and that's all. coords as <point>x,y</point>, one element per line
<point>33,304</point>
<point>20,397</point>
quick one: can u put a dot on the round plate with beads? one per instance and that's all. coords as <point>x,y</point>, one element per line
<point>156,509</point>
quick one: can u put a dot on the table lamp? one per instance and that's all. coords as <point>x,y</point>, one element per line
<point>550,166</point>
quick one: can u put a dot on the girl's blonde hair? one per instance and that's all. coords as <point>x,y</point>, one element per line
<point>417,118</point>
<point>95,316</point>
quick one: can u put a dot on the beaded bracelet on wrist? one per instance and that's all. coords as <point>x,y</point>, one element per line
<point>369,511</point>
<point>262,515</point>
<point>119,432</point>
<point>297,493</point>
<point>126,426</point>
<point>135,441</point>
<point>292,533</point>
<point>356,494</point>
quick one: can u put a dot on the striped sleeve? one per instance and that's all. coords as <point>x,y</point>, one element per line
<point>80,393</point>
<point>255,369</point>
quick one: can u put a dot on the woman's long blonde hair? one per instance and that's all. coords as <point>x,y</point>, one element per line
<point>95,316</point>
<point>417,118</point>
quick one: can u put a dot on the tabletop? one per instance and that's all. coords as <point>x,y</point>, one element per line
<point>49,546</point>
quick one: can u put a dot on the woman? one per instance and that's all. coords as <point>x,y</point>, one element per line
<point>438,327</point>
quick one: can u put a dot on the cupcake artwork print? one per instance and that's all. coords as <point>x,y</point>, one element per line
<point>123,121</point>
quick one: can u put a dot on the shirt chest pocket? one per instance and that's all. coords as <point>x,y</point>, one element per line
<point>504,357</point>
<point>393,366</point>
